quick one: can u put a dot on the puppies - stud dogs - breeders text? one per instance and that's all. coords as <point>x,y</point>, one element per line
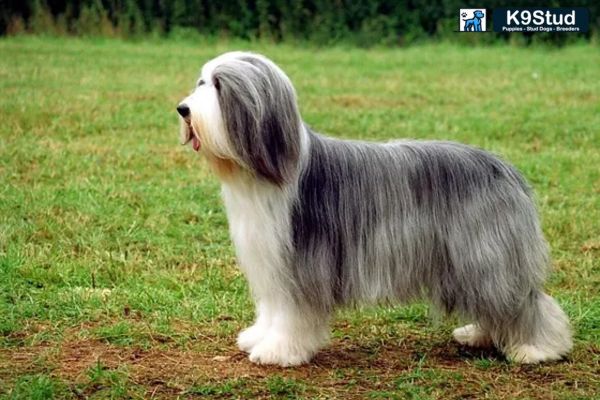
<point>320,223</point>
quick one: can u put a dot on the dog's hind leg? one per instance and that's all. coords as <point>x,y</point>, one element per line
<point>472,335</point>
<point>540,332</point>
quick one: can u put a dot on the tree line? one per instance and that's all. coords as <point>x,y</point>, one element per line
<point>361,22</point>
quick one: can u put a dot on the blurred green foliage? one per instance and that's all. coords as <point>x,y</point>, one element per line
<point>323,22</point>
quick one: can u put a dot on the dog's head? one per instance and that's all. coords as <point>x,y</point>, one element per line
<point>478,14</point>
<point>243,114</point>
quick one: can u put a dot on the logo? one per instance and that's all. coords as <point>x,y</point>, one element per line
<point>472,20</point>
<point>541,19</point>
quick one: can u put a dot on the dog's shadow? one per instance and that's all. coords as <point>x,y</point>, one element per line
<point>388,355</point>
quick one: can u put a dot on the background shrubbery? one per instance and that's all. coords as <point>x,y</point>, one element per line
<point>362,22</point>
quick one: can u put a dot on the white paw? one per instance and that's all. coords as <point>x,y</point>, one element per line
<point>282,350</point>
<point>531,354</point>
<point>250,337</point>
<point>472,335</point>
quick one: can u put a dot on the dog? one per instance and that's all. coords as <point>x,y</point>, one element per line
<point>474,24</point>
<point>319,223</point>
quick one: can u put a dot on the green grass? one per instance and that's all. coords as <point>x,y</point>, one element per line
<point>117,277</point>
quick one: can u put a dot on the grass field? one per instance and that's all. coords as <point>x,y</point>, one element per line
<point>117,278</point>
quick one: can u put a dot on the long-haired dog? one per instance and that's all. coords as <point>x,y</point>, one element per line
<point>319,222</point>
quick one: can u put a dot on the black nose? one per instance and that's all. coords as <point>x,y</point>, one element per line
<point>183,110</point>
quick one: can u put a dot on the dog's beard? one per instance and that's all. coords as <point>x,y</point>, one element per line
<point>188,134</point>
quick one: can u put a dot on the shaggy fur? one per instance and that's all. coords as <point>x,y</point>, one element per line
<point>319,223</point>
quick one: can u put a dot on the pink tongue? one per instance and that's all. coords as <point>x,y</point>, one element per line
<point>195,143</point>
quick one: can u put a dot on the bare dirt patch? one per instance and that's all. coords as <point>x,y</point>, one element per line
<point>345,367</point>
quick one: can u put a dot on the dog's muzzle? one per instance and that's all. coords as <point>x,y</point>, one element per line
<point>183,110</point>
<point>188,134</point>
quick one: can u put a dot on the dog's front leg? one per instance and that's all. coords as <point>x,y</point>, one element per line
<point>251,336</point>
<point>294,335</point>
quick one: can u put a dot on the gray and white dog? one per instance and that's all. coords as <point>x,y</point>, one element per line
<point>319,223</point>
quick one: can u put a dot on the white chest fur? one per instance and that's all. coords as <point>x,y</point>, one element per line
<point>259,224</point>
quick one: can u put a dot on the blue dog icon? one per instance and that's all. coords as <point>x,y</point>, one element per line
<point>474,24</point>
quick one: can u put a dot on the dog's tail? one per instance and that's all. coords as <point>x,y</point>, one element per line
<point>540,332</point>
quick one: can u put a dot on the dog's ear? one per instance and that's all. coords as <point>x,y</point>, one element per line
<point>259,110</point>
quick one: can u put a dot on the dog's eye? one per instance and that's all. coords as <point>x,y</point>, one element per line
<point>200,82</point>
